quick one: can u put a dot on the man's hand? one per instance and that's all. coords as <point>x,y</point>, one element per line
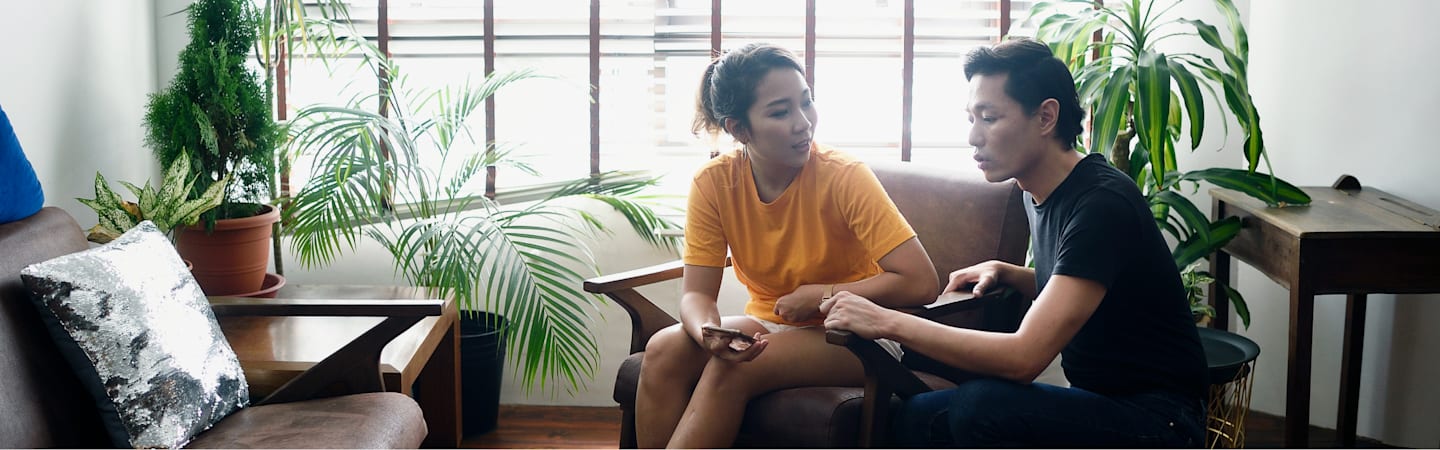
<point>730,348</point>
<point>800,305</point>
<point>983,276</point>
<point>856,314</point>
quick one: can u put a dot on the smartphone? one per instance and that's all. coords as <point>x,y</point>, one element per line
<point>733,333</point>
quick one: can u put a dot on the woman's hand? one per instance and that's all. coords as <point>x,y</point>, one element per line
<point>800,305</point>
<point>731,348</point>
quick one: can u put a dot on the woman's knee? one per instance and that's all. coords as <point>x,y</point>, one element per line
<point>671,349</point>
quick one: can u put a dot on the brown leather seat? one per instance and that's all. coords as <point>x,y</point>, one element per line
<point>44,404</point>
<point>960,219</point>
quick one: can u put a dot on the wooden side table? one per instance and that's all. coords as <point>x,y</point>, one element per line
<point>422,362</point>
<point>1350,241</point>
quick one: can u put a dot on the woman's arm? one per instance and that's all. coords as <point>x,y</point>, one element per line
<point>700,286</point>
<point>908,279</point>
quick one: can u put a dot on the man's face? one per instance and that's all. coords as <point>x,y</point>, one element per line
<point>1007,141</point>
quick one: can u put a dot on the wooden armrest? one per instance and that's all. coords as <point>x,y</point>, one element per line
<point>880,366</point>
<point>246,306</point>
<point>645,317</point>
<point>355,367</point>
<point>956,301</point>
<point>884,375</point>
<point>631,279</point>
<point>890,371</point>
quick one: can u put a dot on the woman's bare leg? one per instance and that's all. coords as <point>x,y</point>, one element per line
<point>793,358</point>
<point>673,364</point>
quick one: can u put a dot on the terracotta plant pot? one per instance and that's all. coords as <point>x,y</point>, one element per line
<point>232,259</point>
<point>272,285</point>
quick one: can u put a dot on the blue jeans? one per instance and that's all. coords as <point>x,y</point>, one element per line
<point>991,412</point>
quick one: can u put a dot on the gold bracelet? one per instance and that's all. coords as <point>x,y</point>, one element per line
<point>829,292</point>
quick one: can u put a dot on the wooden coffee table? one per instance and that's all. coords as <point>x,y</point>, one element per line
<point>422,362</point>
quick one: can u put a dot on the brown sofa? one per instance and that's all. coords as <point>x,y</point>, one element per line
<point>44,404</point>
<point>959,218</point>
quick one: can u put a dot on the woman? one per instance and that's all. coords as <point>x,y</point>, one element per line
<point>801,222</point>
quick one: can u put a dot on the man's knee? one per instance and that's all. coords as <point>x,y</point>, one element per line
<point>979,407</point>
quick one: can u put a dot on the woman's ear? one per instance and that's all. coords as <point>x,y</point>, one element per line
<point>737,130</point>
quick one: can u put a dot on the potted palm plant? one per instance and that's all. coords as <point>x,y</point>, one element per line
<point>1139,99</point>
<point>400,179</point>
<point>215,112</point>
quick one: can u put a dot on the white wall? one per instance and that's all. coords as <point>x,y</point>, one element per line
<point>1343,87</point>
<point>1348,88</point>
<point>74,82</point>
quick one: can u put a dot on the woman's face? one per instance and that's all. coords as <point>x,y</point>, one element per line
<point>782,120</point>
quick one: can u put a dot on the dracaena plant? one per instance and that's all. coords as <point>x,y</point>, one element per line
<point>402,180</point>
<point>1141,101</point>
<point>168,206</point>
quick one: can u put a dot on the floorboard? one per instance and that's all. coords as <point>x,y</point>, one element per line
<point>526,426</point>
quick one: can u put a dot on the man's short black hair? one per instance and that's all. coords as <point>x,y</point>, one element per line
<point>1034,75</point>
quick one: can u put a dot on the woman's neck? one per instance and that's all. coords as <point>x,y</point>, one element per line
<point>771,180</point>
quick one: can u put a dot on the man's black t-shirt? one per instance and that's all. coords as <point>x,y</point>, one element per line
<point>1096,225</point>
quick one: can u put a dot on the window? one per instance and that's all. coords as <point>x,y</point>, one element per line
<point>650,57</point>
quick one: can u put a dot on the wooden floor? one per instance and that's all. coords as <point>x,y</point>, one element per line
<point>599,427</point>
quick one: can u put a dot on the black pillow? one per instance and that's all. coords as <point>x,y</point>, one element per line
<point>140,334</point>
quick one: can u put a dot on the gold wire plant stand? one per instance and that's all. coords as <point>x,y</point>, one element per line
<point>1228,405</point>
<point>1231,359</point>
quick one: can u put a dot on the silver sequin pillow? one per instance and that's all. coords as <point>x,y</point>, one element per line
<point>139,332</point>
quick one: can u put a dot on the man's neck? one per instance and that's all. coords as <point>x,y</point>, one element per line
<point>1047,174</point>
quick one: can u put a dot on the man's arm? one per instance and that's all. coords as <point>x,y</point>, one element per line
<point>983,277</point>
<point>1056,316</point>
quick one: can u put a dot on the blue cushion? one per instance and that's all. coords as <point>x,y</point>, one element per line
<point>20,194</point>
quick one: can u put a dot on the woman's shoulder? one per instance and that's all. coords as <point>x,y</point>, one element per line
<point>722,165</point>
<point>833,162</point>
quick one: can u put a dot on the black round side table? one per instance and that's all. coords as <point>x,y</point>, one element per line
<point>1231,359</point>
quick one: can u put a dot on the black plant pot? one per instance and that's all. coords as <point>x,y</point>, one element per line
<point>482,360</point>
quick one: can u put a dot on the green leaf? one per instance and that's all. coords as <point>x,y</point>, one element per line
<point>1269,189</point>
<point>1242,309</point>
<point>1152,108</point>
<point>188,213</point>
<point>1192,217</point>
<point>1110,111</point>
<point>1202,243</point>
<point>1194,101</point>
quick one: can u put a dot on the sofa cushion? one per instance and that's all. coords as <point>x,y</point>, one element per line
<point>338,422</point>
<point>18,186</point>
<point>141,337</point>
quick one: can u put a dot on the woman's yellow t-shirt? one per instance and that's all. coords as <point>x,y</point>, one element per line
<point>831,225</point>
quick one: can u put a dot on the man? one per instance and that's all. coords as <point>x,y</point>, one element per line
<point>1107,294</point>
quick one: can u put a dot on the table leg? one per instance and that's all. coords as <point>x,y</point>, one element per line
<point>1350,358</point>
<point>438,392</point>
<point>1219,299</point>
<point>1297,386</point>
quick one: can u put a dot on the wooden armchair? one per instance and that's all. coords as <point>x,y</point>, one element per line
<point>961,220</point>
